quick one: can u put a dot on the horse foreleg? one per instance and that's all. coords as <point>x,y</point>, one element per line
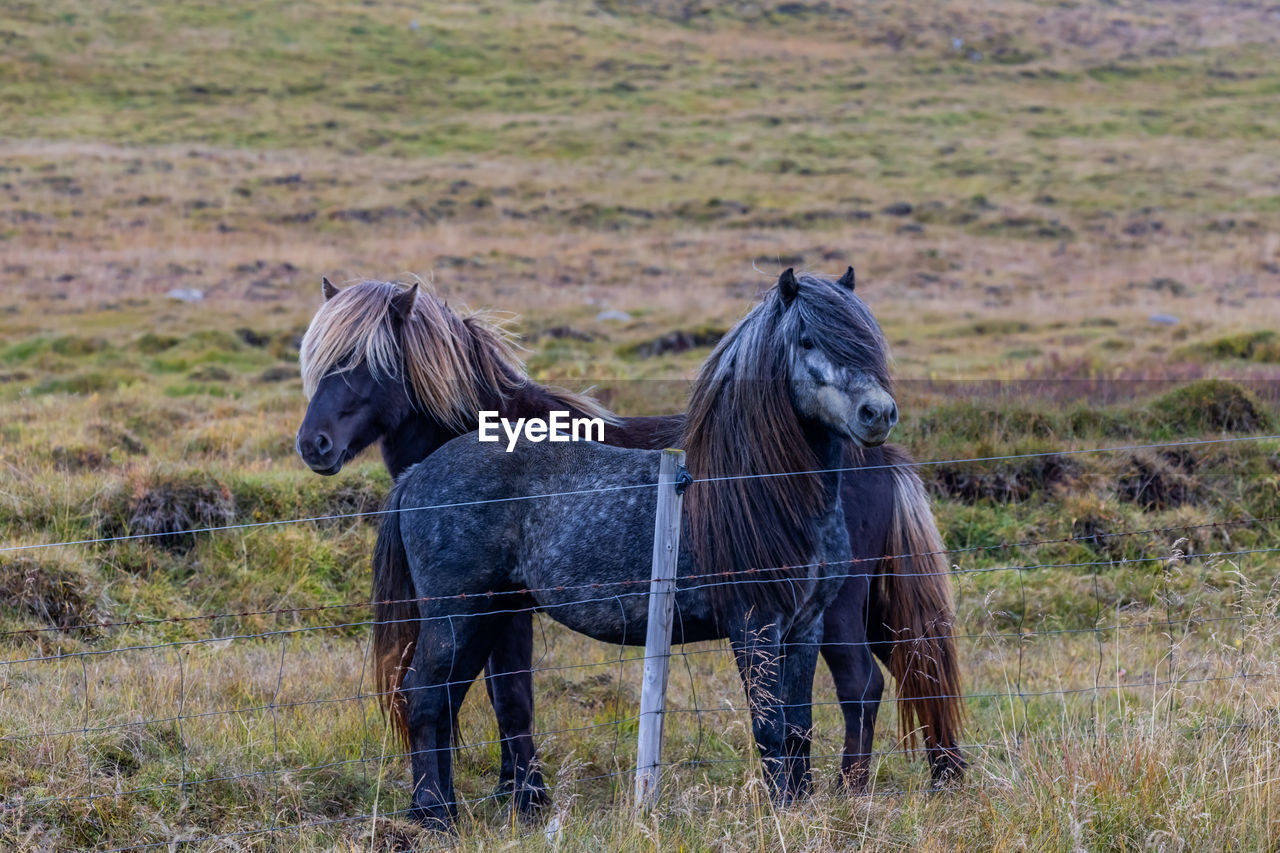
<point>757,651</point>
<point>859,682</point>
<point>859,685</point>
<point>799,660</point>
<point>449,655</point>
<point>510,688</point>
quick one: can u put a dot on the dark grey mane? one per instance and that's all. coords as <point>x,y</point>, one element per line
<point>839,324</point>
<point>742,421</point>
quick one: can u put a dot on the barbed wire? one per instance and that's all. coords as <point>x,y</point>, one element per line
<point>285,636</point>
<point>609,662</point>
<point>954,570</point>
<point>545,606</point>
<point>628,487</point>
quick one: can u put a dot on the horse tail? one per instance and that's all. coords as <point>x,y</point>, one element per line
<point>919,615</point>
<point>395,616</point>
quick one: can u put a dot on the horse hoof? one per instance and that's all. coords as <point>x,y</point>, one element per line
<point>527,800</point>
<point>434,817</point>
<point>790,796</point>
<point>948,771</point>
<point>853,781</point>
<point>947,767</point>
<point>531,798</point>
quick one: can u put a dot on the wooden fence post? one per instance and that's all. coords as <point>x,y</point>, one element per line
<point>672,478</point>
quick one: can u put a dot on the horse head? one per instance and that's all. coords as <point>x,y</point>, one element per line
<point>837,358</point>
<point>353,372</point>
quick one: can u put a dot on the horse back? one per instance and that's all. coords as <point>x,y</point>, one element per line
<point>540,513</point>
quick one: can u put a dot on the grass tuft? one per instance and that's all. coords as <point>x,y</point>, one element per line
<point>1210,406</point>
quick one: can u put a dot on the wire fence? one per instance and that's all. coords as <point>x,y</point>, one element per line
<point>149,724</point>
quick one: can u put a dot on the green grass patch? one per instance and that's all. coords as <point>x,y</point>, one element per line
<point>1261,346</point>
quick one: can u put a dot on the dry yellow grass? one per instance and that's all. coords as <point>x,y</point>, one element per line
<point>1088,168</point>
<point>278,730</point>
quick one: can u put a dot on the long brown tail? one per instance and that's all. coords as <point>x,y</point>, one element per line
<point>395,614</point>
<point>919,615</point>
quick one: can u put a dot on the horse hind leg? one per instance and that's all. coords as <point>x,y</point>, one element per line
<point>425,704</point>
<point>450,653</point>
<point>510,688</point>
<point>946,763</point>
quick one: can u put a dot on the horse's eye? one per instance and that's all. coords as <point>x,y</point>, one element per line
<point>806,342</point>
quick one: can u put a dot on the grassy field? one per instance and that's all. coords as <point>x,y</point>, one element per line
<point>1065,216</point>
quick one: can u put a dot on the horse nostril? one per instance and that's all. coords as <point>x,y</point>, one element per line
<point>322,443</point>
<point>876,414</point>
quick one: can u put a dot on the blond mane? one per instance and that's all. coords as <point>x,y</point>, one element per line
<point>450,364</point>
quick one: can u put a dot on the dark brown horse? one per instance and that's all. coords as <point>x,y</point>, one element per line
<point>383,363</point>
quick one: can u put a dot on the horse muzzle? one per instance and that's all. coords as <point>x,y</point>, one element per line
<point>318,451</point>
<point>874,419</point>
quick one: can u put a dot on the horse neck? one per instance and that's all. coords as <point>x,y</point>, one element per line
<point>829,449</point>
<point>532,400</point>
<point>419,435</point>
<point>416,438</point>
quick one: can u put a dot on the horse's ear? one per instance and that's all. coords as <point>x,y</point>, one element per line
<point>787,286</point>
<point>402,302</point>
<point>330,289</point>
<point>846,280</point>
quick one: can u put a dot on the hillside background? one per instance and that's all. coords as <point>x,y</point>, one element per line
<point>1065,215</point>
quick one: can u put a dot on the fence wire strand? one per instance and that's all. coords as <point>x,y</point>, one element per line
<point>252,525</point>
<point>1016,739</point>
<point>955,570</point>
